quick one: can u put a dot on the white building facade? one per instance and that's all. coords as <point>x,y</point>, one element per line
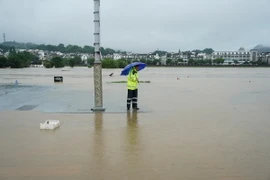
<point>117,56</point>
<point>240,56</point>
<point>254,55</point>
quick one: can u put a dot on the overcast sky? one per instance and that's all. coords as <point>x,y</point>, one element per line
<point>140,25</point>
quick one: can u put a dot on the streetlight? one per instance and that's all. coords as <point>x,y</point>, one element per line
<point>97,64</point>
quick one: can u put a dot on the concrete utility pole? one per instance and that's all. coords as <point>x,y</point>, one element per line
<point>98,92</point>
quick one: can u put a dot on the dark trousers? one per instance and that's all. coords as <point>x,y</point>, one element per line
<point>132,96</point>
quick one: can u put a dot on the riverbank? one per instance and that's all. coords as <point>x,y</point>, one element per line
<point>164,66</point>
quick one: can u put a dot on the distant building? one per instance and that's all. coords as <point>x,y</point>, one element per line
<point>141,56</point>
<point>156,56</point>
<point>163,59</point>
<point>6,54</point>
<point>84,58</point>
<point>117,56</point>
<point>41,55</point>
<point>201,56</point>
<point>22,50</point>
<point>254,55</point>
<point>265,57</point>
<point>240,56</point>
<point>230,62</point>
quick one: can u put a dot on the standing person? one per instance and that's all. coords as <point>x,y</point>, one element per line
<point>132,86</point>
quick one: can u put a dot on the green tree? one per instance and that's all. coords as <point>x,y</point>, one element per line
<point>109,63</point>
<point>109,51</point>
<point>121,63</point>
<point>218,61</point>
<point>149,61</point>
<point>12,51</point>
<point>66,61</point>
<point>247,63</point>
<point>73,49</point>
<point>143,60</point>
<point>169,62</point>
<point>57,62</point>
<point>77,60</point>
<point>90,61</point>
<point>69,48</point>
<point>200,62</point>
<point>20,60</point>
<point>3,62</point>
<point>259,62</point>
<point>71,62</point>
<point>14,61</point>
<point>156,62</point>
<point>4,48</point>
<point>51,48</point>
<point>61,48</point>
<point>197,51</point>
<point>20,45</point>
<point>26,58</point>
<point>48,64</point>
<point>36,61</point>
<point>191,62</point>
<point>42,47</point>
<point>208,61</point>
<point>208,50</point>
<point>235,62</point>
<point>88,49</point>
<point>180,60</point>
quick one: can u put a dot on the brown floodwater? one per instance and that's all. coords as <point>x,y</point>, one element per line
<point>210,124</point>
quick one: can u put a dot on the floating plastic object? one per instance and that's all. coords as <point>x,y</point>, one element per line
<point>50,124</point>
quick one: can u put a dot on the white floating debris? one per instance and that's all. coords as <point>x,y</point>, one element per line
<point>50,124</point>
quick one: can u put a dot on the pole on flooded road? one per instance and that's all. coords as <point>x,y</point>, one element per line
<point>98,91</point>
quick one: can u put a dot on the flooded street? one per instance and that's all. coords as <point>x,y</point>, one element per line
<point>211,123</point>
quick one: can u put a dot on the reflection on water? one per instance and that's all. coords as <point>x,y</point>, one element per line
<point>98,142</point>
<point>132,128</point>
<point>133,141</point>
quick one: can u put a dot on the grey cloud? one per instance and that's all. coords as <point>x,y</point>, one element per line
<point>140,25</point>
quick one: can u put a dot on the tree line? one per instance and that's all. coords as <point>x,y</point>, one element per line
<point>85,49</point>
<point>25,59</point>
<point>18,59</point>
<point>188,53</point>
<point>59,62</point>
<point>59,48</point>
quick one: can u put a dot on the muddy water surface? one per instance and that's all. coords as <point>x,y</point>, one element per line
<point>209,124</point>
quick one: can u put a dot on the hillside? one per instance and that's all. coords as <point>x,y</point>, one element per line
<point>262,48</point>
